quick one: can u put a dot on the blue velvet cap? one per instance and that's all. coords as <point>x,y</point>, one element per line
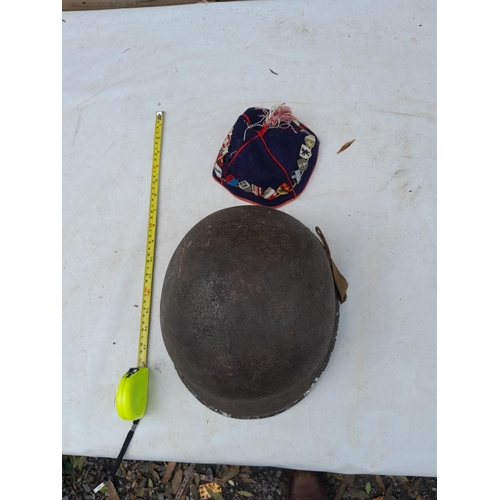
<point>267,157</point>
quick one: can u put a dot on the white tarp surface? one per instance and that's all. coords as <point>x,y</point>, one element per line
<point>349,70</point>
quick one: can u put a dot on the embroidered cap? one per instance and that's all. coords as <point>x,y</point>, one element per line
<point>267,157</point>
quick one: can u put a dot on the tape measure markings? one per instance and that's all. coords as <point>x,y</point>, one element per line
<point>150,246</point>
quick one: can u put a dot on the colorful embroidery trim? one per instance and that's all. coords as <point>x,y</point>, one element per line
<point>219,162</point>
<point>304,155</point>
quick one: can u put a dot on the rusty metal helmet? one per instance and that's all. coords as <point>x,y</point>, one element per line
<point>249,311</point>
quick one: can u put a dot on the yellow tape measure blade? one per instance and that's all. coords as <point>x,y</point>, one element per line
<point>150,245</point>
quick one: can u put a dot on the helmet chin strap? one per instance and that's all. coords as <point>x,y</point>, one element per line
<point>339,280</point>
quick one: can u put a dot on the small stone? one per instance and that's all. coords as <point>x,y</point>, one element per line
<point>210,474</point>
<point>65,497</point>
<point>86,487</point>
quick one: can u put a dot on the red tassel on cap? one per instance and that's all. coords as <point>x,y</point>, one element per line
<point>280,116</point>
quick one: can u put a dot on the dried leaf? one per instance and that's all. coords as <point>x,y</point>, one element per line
<point>168,472</point>
<point>197,480</point>
<point>358,493</point>
<point>338,476</point>
<point>168,491</point>
<point>380,483</point>
<point>245,493</point>
<point>368,487</point>
<point>345,146</point>
<point>402,479</point>
<point>145,467</point>
<point>379,498</point>
<point>81,462</point>
<point>150,483</point>
<point>246,469</point>
<point>340,492</point>
<point>155,474</point>
<point>176,481</point>
<point>388,492</point>
<point>347,482</point>
<point>112,493</point>
<point>231,482</point>
<point>348,479</point>
<point>247,479</point>
<point>233,471</point>
<point>193,490</point>
<point>418,497</point>
<point>414,486</point>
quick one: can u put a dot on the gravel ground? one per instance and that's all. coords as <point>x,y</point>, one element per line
<point>139,480</point>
